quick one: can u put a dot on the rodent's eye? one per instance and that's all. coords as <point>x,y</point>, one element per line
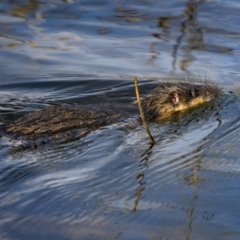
<point>194,92</point>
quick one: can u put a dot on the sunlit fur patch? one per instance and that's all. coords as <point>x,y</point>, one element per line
<point>182,106</point>
<point>194,102</point>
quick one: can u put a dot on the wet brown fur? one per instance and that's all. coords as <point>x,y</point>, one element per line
<point>163,101</point>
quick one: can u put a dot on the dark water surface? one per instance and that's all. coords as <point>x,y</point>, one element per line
<point>112,184</point>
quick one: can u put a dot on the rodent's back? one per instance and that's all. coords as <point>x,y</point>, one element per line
<point>57,119</point>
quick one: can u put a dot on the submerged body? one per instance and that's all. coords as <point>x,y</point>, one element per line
<point>162,102</point>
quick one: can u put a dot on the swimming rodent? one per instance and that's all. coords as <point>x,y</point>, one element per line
<point>162,102</point>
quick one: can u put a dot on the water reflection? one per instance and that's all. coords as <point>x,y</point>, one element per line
<point>22,10</point>
<point>146,38</point>
<point>193,181</point>
<point>111,183</point>
<point>129,15</point>
<point>191,36</point>
<point>143,165</point>
<point>112,178</point>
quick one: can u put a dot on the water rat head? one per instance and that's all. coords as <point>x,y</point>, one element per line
<point>168,98</point>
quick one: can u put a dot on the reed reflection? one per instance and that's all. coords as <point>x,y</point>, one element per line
<point>140,177</point>
<point>22,10</point>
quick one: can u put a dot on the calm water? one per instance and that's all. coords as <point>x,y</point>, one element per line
<point>112,184</point>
